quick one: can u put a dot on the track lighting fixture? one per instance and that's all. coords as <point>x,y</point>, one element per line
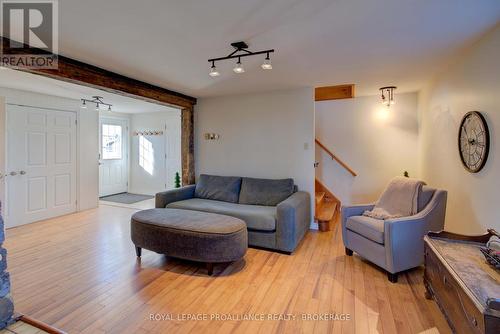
<point>98,103</point>
<point>241,50</point>
<point>388,95</point>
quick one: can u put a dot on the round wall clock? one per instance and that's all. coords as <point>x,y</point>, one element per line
<point>473,141</point>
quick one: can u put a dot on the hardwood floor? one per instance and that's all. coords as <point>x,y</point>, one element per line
<point>79,273</point>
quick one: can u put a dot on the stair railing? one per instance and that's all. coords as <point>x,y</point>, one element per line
<point>334,157</point>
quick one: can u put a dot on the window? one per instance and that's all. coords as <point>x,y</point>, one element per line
<point>111,141</point>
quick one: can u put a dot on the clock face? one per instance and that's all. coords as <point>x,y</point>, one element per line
<point>473,141</point>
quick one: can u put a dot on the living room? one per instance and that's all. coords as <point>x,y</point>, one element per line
<point>242,243</point>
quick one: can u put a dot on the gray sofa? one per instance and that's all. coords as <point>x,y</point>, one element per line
<point>394,244</point>
<point>276,214</point>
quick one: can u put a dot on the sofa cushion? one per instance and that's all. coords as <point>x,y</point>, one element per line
<point>260,218</point>
<point>368,227</point>
<point>219,188</point>
<point>424,197</point>
<point>265,191</point>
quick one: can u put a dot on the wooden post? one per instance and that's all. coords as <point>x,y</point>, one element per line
<point>187,146</point>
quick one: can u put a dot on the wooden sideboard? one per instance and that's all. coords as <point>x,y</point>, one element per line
<point>464,285</point>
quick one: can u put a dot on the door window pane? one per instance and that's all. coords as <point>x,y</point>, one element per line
<point>111,141</point>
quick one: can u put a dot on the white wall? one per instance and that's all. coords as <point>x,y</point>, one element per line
<point>470,84</point>
<point>167,152</point>
<point>376,142</point>
<point>87,146</point>
<point>268,135</point>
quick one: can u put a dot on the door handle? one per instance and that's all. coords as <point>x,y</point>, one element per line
<point>22,172</point>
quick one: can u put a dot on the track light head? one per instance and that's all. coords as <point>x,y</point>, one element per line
<point>84,105</point>
<point>213,71</point>
<point>266,65</point>
<point>239,68</point>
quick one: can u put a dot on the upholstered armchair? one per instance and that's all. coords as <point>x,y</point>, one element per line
<point>395,245</point>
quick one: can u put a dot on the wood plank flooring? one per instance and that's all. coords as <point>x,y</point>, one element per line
<point>79,273</point>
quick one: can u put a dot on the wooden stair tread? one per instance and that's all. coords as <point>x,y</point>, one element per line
<point>326,211</point>
<point>319,197</point>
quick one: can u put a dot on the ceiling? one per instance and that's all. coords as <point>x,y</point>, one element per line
<point>42,85</point>
<point>318,42</point>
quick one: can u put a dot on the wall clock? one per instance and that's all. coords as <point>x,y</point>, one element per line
<point>473,141</point>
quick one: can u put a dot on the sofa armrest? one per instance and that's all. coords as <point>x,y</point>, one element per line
<point>293,220</point>
<point>164,198</point>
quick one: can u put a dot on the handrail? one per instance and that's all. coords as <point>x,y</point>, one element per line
<point>334,157</point>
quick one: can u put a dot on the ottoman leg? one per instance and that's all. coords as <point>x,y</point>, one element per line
<point>210,268</point>
<point>138,251</point>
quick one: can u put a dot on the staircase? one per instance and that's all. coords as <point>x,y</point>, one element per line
<point>327,207</point>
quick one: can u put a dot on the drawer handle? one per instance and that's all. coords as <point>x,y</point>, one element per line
<point>445,281</point>
<point>474,321</point>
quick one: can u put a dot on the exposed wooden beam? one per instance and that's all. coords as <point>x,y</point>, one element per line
<point>187,146</point>
<point>80,73</point>
<point>334,92</point>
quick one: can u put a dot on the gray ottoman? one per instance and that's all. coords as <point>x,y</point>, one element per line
<point>190,235</point>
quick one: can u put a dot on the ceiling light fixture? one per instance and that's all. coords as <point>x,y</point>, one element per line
<point>213,71</point>
<point>266,65</point>
<point>98,102</point>
<point>388,95</point>
<point>241,50</point>
<point>239,68</point>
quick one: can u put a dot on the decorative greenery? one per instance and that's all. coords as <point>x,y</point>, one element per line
<point>405,174</point>
<point>177,181</point>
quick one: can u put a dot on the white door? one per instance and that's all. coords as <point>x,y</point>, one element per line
<point>41,164</point>
<point>113,154</point>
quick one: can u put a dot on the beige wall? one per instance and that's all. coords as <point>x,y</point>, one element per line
<point>269,135</point>
<point>376,142</point>
<point>472,83</point>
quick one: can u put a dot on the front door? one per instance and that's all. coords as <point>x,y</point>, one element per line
<point>113,153</point>
<point>40,176</point>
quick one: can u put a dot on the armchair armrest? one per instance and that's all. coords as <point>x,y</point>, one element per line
<point>293,220</point>
<point>349,211</point>
<point>355,210</point>
<point>164,198</point>
<point>404,237</point>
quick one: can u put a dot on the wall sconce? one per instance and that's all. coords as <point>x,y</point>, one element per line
<point>388,95</point>
<point>211,136</point>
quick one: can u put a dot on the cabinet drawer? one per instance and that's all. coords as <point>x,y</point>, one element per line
<point>460,311</point>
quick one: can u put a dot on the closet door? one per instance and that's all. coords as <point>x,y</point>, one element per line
<point>41,164</point>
